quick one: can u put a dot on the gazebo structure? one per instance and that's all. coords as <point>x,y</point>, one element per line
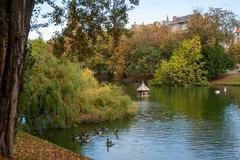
<point>143,90</point>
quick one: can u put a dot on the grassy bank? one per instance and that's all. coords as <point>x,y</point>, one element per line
<point>33,148</point>
<point>228,79</point>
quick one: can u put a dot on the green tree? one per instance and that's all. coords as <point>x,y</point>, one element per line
<point>147,46</point>
<point>185,68</point>
<point>217,61</point>
<point>143,61</point>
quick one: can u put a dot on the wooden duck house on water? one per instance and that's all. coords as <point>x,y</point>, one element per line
<point>143,90</point>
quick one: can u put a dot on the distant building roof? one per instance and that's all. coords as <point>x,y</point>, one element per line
<point>184,18</point>
<point>143,87</point>
<point>238,30</point>
<point>181,19</point>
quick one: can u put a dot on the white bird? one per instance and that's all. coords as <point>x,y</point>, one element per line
<point>217,91</point>
<point>225,89</point>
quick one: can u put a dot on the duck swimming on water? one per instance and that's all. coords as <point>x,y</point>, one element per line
<point>109,143</point>
<point>116,132</point>
<point>75,137</point>
<point>85,139</point>
<point>98,131</point>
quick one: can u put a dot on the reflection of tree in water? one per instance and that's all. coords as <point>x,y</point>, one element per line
<point>197,103</point>
<point>219,137</point>
<point>212,139</point>
<point>234,92</point>
<point>209,127</point>
<point>131,90</point>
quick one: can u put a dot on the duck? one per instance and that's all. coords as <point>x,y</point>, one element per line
<point>98,131</point>
<point>85,139</point>
<point>116,132</point>
<point>75,137</point>
<point>217,91</point>
<point>109,143</point>
<point>104,129</point>
<point>86,135</point>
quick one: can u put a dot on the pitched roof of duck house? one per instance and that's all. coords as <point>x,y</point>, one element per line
<point>143,87</point>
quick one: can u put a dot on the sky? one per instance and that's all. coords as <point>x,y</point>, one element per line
<point>150,11</point>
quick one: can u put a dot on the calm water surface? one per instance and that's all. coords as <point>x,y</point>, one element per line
<point>174,123</point>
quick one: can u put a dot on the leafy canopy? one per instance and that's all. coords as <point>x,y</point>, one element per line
<point>85,21</point>
<point>143,61</point>
<point>217,61</point>
<point>185,68</point>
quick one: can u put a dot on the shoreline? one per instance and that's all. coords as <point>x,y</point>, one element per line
<point>231,78</point>
<point>228,79</point>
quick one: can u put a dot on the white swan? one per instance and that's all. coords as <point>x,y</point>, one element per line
<point>217,91</point>
<point>225,89</point>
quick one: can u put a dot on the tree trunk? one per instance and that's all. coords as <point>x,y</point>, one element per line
<point>15,16</point>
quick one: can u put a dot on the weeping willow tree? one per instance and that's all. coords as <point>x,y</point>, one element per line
<point>58,93</point>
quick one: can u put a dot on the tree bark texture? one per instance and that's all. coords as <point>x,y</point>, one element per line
<point>15,16</point>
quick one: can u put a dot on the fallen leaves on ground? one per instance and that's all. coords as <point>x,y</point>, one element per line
<point>32,148</point>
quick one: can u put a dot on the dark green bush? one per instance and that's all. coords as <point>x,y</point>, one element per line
<point>217,61</point>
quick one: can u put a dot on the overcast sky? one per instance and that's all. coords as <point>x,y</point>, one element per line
<point>149,11</point>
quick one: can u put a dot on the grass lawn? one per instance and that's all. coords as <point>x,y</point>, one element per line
<point>229,79</point>
<point>33,148</point>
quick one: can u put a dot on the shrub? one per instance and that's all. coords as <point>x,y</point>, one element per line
<point>217,61</point>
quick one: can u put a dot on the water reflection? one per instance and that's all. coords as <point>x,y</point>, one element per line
<point>185,123</point>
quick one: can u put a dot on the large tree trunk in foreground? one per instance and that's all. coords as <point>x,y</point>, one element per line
<point>15,18</point>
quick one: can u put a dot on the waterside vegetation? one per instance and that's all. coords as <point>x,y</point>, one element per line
<point>59,93</point>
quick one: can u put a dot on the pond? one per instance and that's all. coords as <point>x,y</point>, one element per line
<point>183,123</point>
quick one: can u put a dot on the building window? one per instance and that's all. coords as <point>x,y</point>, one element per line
<point>238,39</point>
<point>238,34</point>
